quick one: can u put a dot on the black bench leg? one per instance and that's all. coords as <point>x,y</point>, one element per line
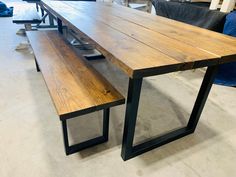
<point>106,113</point>
<point>37,66</point>
<point>70,149</point>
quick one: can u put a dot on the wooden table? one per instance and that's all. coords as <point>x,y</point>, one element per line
<point>144,45</point>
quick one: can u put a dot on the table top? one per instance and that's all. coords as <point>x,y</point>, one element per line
<point>142,44</point>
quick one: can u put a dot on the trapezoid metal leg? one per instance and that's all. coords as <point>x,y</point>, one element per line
<point>128,150</point>
<point>132,104</point>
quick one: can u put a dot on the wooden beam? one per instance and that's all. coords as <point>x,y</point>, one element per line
<point>214,4</point>
<point>227,5</point>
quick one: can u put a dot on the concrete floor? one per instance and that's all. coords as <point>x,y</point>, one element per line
<point>31,137</point>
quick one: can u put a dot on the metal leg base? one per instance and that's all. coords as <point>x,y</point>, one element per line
<point>89,143</point>
<point>128,150</point>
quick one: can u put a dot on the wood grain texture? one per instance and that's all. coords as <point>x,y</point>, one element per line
<point>210,41</point>
<point>142,44</point>
<point>191,56</point>
<point>125,52</point>
<point>75,87</point>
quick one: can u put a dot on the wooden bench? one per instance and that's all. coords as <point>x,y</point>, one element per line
<point>75,87</point>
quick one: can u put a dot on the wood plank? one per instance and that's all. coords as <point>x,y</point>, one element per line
<point>132,56</point>
<point>214,4</point>
<point>213,42</point>
<point>227,6</point>
<point>191,56</point>
<point>75,87</point>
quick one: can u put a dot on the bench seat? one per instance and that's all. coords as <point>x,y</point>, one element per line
<point>76,88</point>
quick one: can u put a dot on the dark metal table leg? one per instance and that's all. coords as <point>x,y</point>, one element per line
<point>134,90</point>
<point>130,151</point>
<point>59,25</point>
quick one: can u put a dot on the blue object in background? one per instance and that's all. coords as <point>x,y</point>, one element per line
<point>4,11</point>
<point>230,24</point>
<point>227,72</point>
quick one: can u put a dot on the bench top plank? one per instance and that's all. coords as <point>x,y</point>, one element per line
<point>75,87</point>
<point>141,43</point>
<point>25,13</point>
